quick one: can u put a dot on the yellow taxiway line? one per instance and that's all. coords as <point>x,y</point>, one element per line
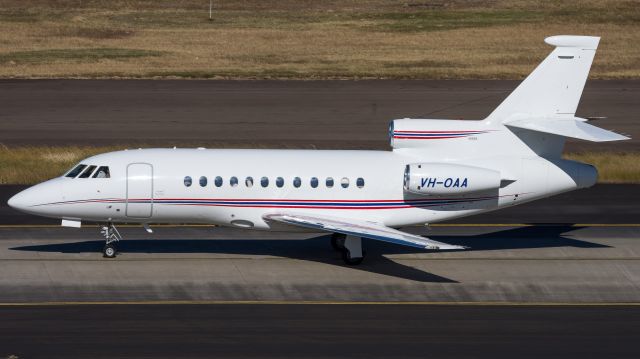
<point>320,302</point>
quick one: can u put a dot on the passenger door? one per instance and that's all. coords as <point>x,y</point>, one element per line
<point>139,190</point>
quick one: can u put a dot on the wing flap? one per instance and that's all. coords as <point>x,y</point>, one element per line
<point>365,229</point>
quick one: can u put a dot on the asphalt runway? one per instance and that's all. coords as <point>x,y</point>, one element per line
<point>583,249</point>
<point>319,331</point>
<point>278,114</point>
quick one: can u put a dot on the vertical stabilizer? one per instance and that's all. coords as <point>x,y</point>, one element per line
<point>554,88</point>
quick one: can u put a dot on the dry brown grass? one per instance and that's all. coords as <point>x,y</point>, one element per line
<point>30,165</point>
<point>612,167</point>
<point>309,39</point>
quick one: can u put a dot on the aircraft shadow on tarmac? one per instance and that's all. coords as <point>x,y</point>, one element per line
<point>317,249</point>
<point>529,237</point>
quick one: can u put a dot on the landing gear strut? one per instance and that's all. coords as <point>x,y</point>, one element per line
<point>337,241</point>
<point>112,237</point>
<point>350,246</point>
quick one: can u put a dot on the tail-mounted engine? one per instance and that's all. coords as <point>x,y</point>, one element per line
<point>448,179</point>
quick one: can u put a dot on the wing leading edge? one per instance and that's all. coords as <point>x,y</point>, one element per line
<point>365,229</point>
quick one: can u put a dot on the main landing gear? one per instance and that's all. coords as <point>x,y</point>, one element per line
<point>112,237</point>
<point>350,246</point>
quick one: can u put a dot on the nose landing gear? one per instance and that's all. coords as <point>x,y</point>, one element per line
<point>112,237</point>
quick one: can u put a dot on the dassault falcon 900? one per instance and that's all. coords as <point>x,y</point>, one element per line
<point>437,170</point>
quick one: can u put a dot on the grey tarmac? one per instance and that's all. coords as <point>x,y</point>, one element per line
<point>275,114</point>
<point>553,263</point>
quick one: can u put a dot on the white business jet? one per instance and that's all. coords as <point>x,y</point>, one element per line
<point>437,170</point>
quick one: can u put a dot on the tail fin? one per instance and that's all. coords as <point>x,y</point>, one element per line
<point>554,88</point>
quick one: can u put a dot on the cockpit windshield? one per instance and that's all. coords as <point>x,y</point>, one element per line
<point>85,171</point>
<point>74,172</point>
<point>102,172</point>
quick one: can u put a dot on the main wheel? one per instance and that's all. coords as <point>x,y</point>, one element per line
<point>109,251</point>
<point>346,257</point>
<point>337,241</point>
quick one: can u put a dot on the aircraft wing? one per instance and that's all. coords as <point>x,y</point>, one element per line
<point>359,228</point>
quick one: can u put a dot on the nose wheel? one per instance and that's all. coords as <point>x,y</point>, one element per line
<point>109,251</point>
<point>112,237</point>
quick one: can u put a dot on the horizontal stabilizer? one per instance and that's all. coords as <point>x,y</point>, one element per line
<point>571,127</point>
<point>358,228</point>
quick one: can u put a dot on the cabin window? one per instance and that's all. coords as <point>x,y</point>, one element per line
<point>102,172</point>
<point>233,181</point>
<point>279,182</point>
<point>87,172</point>
<point>329,182</point>
<point>218,181</point>
<point>360,182</point>
<point>344,182</point>
<point>264,181</point>
<point>314,182</point>
<point>76,171</point>
<point>297,182</point>
<point>249,182</point>
<point>187,181</point>
<point>203,181</point>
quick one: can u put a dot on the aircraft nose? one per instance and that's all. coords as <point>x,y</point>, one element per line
<point>18,201</point>
<point>36,199</point>
<point>28,199</point>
